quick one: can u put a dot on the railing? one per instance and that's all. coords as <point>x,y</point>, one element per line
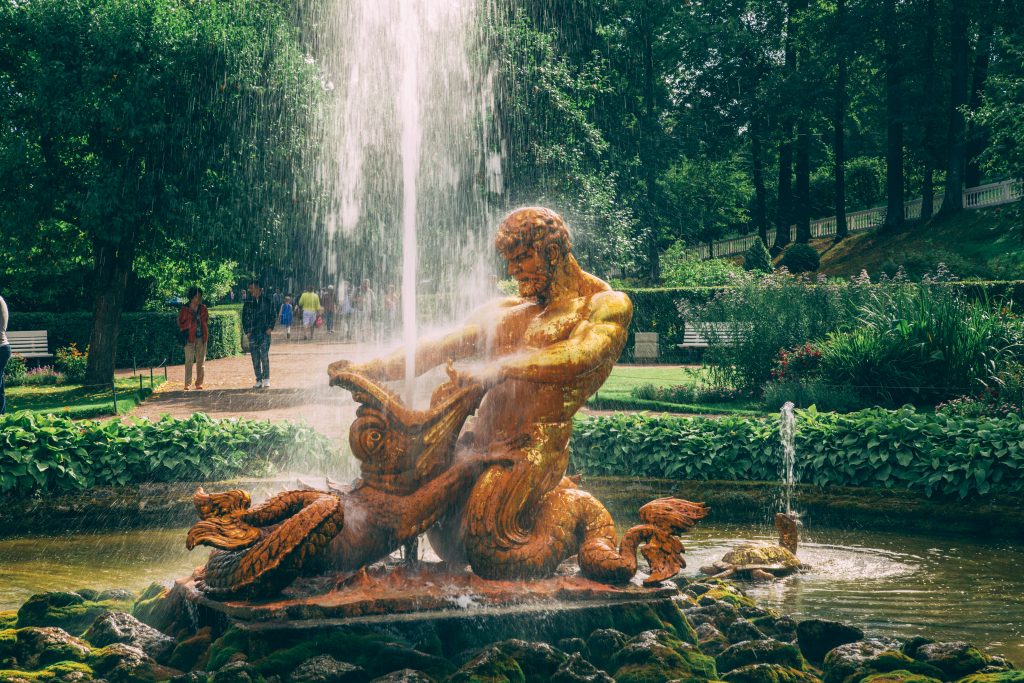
<point>993,194</point>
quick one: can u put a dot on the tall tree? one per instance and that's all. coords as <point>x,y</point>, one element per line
<point>145,124</point>
<point>839,119</point>
<point>802,195</point>
<point>959,27</point>
<point>928,105</point>
<point>975,144</point>
<point>894,118</point>
<point>784,205</point>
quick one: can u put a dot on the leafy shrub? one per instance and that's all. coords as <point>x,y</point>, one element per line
<point>658,310</point>
<point>53,454</point>
<point>757,258</point>
<point>775,312</point>
<point>44,375</point>
<point>71,362</point>
<point>800,363</point>
<point>1004,397</point>
<point>920,344</point>
<point>931,453</point>
<point>689,394</point>
<point>801,258</point>
<point>146,338</point>
<point>808,392</point>
<point>680,269</point>
<point>14,373</point>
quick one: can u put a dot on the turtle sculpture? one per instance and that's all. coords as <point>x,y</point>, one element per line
<point>762,562</point>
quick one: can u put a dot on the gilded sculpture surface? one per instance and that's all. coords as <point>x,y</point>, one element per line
<point>493,495</point>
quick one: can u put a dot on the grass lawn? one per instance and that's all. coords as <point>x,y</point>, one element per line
<point>76,401</point>
<point>615,393</point>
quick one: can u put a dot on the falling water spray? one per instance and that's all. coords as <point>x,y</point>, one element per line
<point>411,141</point>
<point>787,435</point>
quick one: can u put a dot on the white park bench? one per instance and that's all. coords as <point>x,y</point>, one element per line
<point>29,343</point>
<point>695,336</point>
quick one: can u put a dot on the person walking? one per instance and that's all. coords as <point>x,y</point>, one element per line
<point>310,304</point>
<point>5,353</point>
<point>329,301</point>
<point>258,320</point>
<point>193,321</point>
<point>287,316</point>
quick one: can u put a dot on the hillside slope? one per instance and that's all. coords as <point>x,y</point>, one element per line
<point>975,244</point>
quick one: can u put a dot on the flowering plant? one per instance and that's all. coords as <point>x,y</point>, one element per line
<point>801,362</point>
<point>71,362</point>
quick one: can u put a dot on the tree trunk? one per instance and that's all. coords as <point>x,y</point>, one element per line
<point>647,153</point>
<point>784,206</point>
<point>894,122</point>
<point>953,199</point>
<point>760,195</point>
<point>982,55</point>
<point>113,263</point>
<point>802,200</point>
<point>839,122</point>
<point>930,95</point>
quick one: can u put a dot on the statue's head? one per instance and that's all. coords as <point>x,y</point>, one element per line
<point>535,242</point>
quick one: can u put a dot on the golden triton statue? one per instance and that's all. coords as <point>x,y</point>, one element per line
<point>505,505</point>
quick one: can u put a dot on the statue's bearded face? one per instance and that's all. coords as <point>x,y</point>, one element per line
<point>531,268</point>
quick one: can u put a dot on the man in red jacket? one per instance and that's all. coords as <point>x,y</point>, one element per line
<point>192,319</point>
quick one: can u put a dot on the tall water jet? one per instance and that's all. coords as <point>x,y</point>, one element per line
<point>787,435</point>
<point>405,153</point>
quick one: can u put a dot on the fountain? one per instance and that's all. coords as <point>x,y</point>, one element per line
<point>787,435</point>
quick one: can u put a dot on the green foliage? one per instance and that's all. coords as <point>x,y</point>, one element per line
<point>71,362</point>
<point>691,394</point>
<point>47,454</point>
<point>147,338</point>
<point>757,258</point>
<point>930,453</point>
<point>801,258</point>
<point>171,277</point>
<point>658,310</point>
<point>14,372</point>
<point>705,198</point>
<point>808,392</point>
<point>774,312</point>
<point>681,269</point>
<point>921,344</point>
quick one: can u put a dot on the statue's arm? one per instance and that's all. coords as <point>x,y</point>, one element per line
<point>590,345</point>
<point>430,353</point>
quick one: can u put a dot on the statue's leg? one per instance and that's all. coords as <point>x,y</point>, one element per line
<point>275,561</point>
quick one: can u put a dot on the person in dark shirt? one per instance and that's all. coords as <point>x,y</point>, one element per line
<point>258,319</point>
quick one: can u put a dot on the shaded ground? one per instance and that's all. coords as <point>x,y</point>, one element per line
<point>77,401</point>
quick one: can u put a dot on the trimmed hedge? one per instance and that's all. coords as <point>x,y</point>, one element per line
<point>43,454</point>
<point>930,453</point>
<point>657,309</point>
<point>146,338</point>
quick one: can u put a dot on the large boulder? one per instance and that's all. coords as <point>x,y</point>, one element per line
<point>602,645</point>
<point>718,614</point>
<point>404,676</point>
<point>659,656</point>
<point>327,669</point>
<point>575,669</point>
<point>956,659</point>
<point>538,661</point>
<point>36,647</point>
<point>898,676</point>
<point>710,640</point>
<point>846,660</point>
<point>741,630</point>
<point>63,609</point>
<point>490,666</point>
<point>237,672</point>
<point>768,673</point>
<point>120,663</point>
<point>121,627</point>
<point>1008,676</point>
<point>817,636</point>
<point>759,652</point>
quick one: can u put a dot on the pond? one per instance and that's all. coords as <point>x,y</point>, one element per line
<point>884,582</point>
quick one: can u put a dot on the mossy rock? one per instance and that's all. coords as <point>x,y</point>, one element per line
<point>955,659</point>
<point>490,666</point>
<point>120,663</point>
<point>760,652</point>
<point>59,671</point>
<point>35,647</point>
<point>726,594</point>
<point>188,652</point>
<point>894,660</point>
<point>769,673</point>
<point>658,656</point>
<point>159,607</point>
<point>998,677</point>
<point>8,619</point>
<point>898,676</point>
<point>64,609</point>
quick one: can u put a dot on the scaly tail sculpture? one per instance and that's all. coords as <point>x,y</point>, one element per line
<point>251,559</point>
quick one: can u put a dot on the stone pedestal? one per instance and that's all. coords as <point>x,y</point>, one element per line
<point>454,611</point>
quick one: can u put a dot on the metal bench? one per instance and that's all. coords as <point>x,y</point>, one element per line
<point>29,343</point>
<point>696,336</point>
